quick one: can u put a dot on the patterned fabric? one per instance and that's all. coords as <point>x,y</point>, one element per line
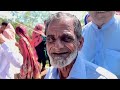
<point>37,34</point>
<point>30,68</point>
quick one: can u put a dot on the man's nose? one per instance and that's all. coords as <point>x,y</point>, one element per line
<point>59,44</point>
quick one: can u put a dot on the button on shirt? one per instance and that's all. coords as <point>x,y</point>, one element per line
<point>10,60</point>
<point>82,70</point>
<point>102,46</point>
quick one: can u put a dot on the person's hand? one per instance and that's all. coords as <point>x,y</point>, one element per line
<point>2,38</point>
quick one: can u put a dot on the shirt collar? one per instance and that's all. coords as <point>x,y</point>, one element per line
<point>78,70</point>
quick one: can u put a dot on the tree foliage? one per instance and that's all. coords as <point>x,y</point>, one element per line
<point>30,18</point>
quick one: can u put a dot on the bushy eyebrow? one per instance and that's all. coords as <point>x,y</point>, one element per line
<point>63,36</point>
<point>67,35</point>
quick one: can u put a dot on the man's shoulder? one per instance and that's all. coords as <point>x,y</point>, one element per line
<point>50,69</point>
<point>87,26</point>
<point>49,73</point>
<point>95,71</point>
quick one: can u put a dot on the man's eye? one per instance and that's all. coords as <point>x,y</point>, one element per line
<point>50,40</point>
<point>67,39</point>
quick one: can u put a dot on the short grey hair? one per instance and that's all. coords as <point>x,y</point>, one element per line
<point>59,15</point>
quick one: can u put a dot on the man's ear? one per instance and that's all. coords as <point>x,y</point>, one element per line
<point>80,43</point>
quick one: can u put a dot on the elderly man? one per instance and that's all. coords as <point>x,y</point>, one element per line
<point>64,40</point>
<point>101,41</point>
<point>10,58</point>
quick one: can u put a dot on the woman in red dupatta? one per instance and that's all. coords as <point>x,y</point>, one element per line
<point>39,42</point>
<point>30,68</point>
<point>37,34</point>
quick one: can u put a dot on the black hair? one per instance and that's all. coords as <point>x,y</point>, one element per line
<point>4,23</point>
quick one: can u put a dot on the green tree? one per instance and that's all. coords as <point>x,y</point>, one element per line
<point>30,18</point>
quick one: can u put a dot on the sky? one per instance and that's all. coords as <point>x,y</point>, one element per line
<point>6,14</point>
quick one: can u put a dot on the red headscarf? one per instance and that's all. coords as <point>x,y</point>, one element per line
<point>31,67</point>
<point>36,38</point>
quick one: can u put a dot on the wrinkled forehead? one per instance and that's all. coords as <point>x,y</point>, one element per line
<point>61,34</point>
<point>60,26</point>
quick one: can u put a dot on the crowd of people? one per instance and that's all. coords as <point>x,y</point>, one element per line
<point>25,58</point>
<point>72,51</point>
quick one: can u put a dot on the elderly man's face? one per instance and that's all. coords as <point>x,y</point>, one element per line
<point>62,43</point>
<point>101,17</point>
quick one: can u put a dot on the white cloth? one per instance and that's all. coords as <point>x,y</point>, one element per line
<point>10,60</point>
<point>82,69</point>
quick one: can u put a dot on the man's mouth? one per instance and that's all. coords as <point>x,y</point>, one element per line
<point>61,54</point>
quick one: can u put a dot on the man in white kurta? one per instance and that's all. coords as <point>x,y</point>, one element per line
<point>10,59</point>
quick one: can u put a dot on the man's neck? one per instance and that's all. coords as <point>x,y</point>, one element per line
<point>100,24</point>
<point>64,72</point>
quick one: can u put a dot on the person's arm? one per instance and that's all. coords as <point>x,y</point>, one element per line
<point>13,55</point>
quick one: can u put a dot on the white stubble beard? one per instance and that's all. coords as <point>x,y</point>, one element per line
<point>59,62</point>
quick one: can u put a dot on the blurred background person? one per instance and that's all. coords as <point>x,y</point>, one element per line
<point>39,42</point>
<point>8,30</point>
<point>30,68</point>
<point>10,58</point>
<point>101,41</point>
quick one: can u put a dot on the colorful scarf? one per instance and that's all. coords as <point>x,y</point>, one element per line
<point>37,35</point>
<point>31,67</point>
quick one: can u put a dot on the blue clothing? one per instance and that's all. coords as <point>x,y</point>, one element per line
<point>85,19</point>
<point>82,70</point>
<point>102,46</point>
